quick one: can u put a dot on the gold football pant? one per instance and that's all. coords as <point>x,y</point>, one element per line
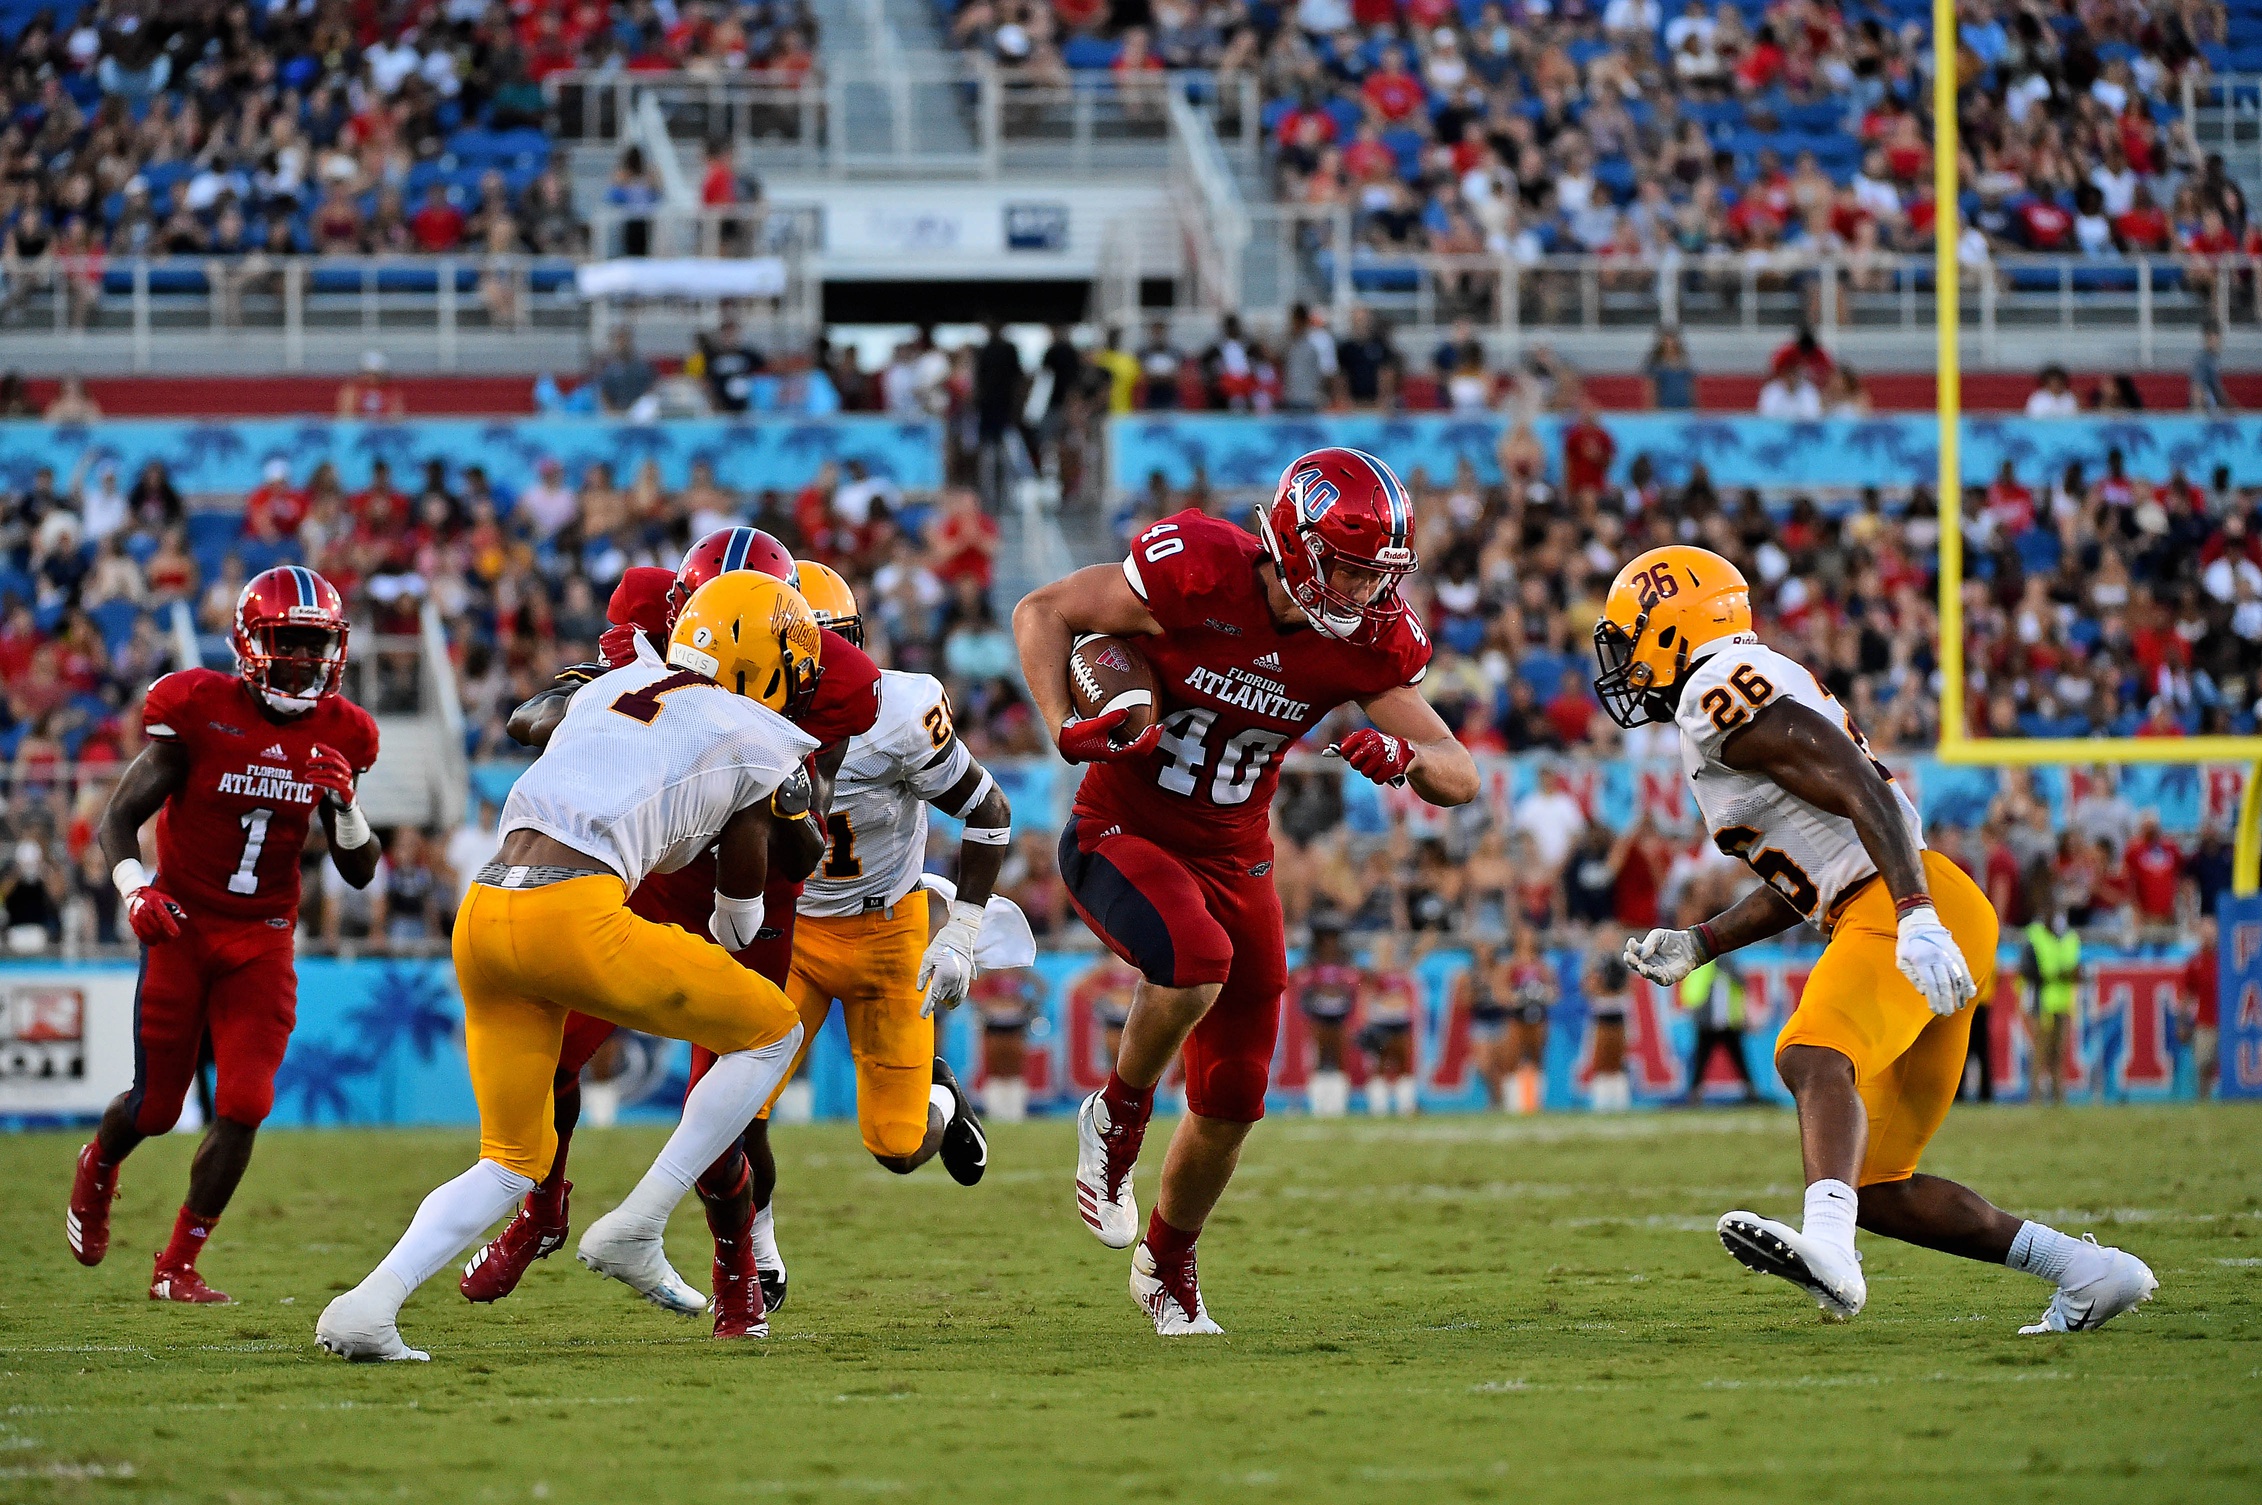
<point>870,962</point>
<point>526,957</point>
<point>1908,1061</point>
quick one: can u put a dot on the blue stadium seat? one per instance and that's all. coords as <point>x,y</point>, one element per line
<point>115,621</point>
<point>1089,52</point>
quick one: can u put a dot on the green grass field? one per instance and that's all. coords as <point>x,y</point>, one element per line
<point>1446,1309</point>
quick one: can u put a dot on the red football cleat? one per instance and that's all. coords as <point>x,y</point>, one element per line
<point>87,1223</point>
<point>494,1271</point>
<point>182,1283</point>
<point>739,1312</point>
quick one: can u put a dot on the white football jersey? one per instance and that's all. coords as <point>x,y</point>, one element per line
<point>649,764</point>
<point>878,821</point>
<point>1808,856</point>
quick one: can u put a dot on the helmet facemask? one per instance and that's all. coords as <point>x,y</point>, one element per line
<point>292,665</point>
<point>1629,690</point>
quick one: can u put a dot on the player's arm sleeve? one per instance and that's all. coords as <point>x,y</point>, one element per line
<point>1176,565</point>
<point>934,759</point>
<point>165,710</point>
<point>1725,691</point>
<point>847,703</point>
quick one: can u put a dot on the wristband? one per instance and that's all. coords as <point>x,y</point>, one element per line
<point>352,828</point>
<point>1912,902</point>
<point>1702,930</point>
<point>129,876</point>
<point>988,836</point>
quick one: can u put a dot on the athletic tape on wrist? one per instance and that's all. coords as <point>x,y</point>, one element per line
<point>969,915</point>
<point>353,827</point>
<point>128,875</point>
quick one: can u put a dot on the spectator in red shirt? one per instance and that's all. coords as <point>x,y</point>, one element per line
<point>378,505</point>
<point>1588,450</point>
<point>2044,226</point>
<point>963,541</point>
<point>275,507</point>
<point>1571,712</point>
<point>2143,227</point>
<point>1390,91</point>
<point>2154,870</point>
<point>438,226</point>
<point>1366,159</point>
<point>2202,1005</point>
<point>2010,504</point>
<point>1802,349</point>
<point>718,186</point>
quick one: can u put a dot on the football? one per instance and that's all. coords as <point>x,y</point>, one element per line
<point>1110,674</point>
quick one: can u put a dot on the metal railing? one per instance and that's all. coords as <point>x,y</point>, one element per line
<point>945,114</point>
<point>1315,257</point>
<point>139,306</point>
<point>2224,114</point>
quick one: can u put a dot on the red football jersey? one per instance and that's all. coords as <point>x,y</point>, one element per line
<point>228,841</point>
<point>1236,689</point>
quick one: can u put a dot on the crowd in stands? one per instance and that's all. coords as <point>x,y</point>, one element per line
<point>1639,127</point>
<point>253,132</point>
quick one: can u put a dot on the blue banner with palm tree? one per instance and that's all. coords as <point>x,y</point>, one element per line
<point>1890,451</point>
<point>747,454</point>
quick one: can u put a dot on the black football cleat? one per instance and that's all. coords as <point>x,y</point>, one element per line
<point>965,1148</point>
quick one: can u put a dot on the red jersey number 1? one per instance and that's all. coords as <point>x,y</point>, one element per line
<point>245,879</point>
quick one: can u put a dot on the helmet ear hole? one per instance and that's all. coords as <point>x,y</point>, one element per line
<point>1665,638</point>
<point>734,629</point>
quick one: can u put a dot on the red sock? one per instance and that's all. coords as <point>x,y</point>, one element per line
<point>1126,1104</point>
<point>548,1199</point>
<point>730,1214</point>
<point>190,1230</point>
<point>1167,1244</point>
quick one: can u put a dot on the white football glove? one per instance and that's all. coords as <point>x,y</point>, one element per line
<point>1930,959</point>
<point>1664,956</point>
<point>947,970</point>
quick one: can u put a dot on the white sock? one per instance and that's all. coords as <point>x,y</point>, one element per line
<point>2044,1251</point>
<point>1402,1096</point>
<point>765,1241</point>
<point>1009,1100</point>
<point>943,1099</point>
<point>1831,1207</point>
<point>716,1112</point>
<point>448,1222</point>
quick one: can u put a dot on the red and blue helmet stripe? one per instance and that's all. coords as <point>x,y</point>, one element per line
<point>308,583</point>
<point>1399,510</point>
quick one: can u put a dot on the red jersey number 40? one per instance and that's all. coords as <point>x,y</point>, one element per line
<point>1185,738</point>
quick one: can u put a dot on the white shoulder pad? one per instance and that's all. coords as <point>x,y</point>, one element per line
<point>1731,684</point>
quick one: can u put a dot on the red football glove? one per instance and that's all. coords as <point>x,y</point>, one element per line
<point>1092,739</point>
<point>1380,756</point>
<point>154,916</point>
<point>328,771</point>
<point>616,646</point>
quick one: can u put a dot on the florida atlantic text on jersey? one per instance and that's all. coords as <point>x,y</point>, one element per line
<point>1236,688</point>
<point>228,840</point>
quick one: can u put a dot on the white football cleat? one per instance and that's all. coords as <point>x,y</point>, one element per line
<point>1166,1300</point>
<point>1832,1276</point>
<point>1104,1156</point>
<point>2124,1283</point>
<point>638,1260</point>
<point>356,1326</point>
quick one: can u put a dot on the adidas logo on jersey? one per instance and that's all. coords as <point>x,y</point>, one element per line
<point>275,752</point>
<point>1270,661</point>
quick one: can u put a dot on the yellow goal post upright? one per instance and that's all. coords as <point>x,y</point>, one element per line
<point>1956,746</point>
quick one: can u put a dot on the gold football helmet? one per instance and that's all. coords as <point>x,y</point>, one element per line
<point>753,634</point>
<point>1664,606</point>
<point>830,598</point>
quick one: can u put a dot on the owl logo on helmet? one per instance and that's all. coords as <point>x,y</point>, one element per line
<point>1666,610</point>
<point>1340,531</point>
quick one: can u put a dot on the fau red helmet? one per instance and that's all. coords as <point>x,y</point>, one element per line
<point>290,638</point>
<point>719,553</point>
<point>1341,532</point>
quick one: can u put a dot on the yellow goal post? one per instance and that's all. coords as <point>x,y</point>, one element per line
<point>1956,746</point>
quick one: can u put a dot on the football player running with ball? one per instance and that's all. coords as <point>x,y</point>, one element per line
<point>1875,1050</point>
<point>1167,855</point>
<point>238,765</point>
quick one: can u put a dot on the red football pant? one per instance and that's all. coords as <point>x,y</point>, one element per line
<point>235,978</point>
<point>1184,921</point>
